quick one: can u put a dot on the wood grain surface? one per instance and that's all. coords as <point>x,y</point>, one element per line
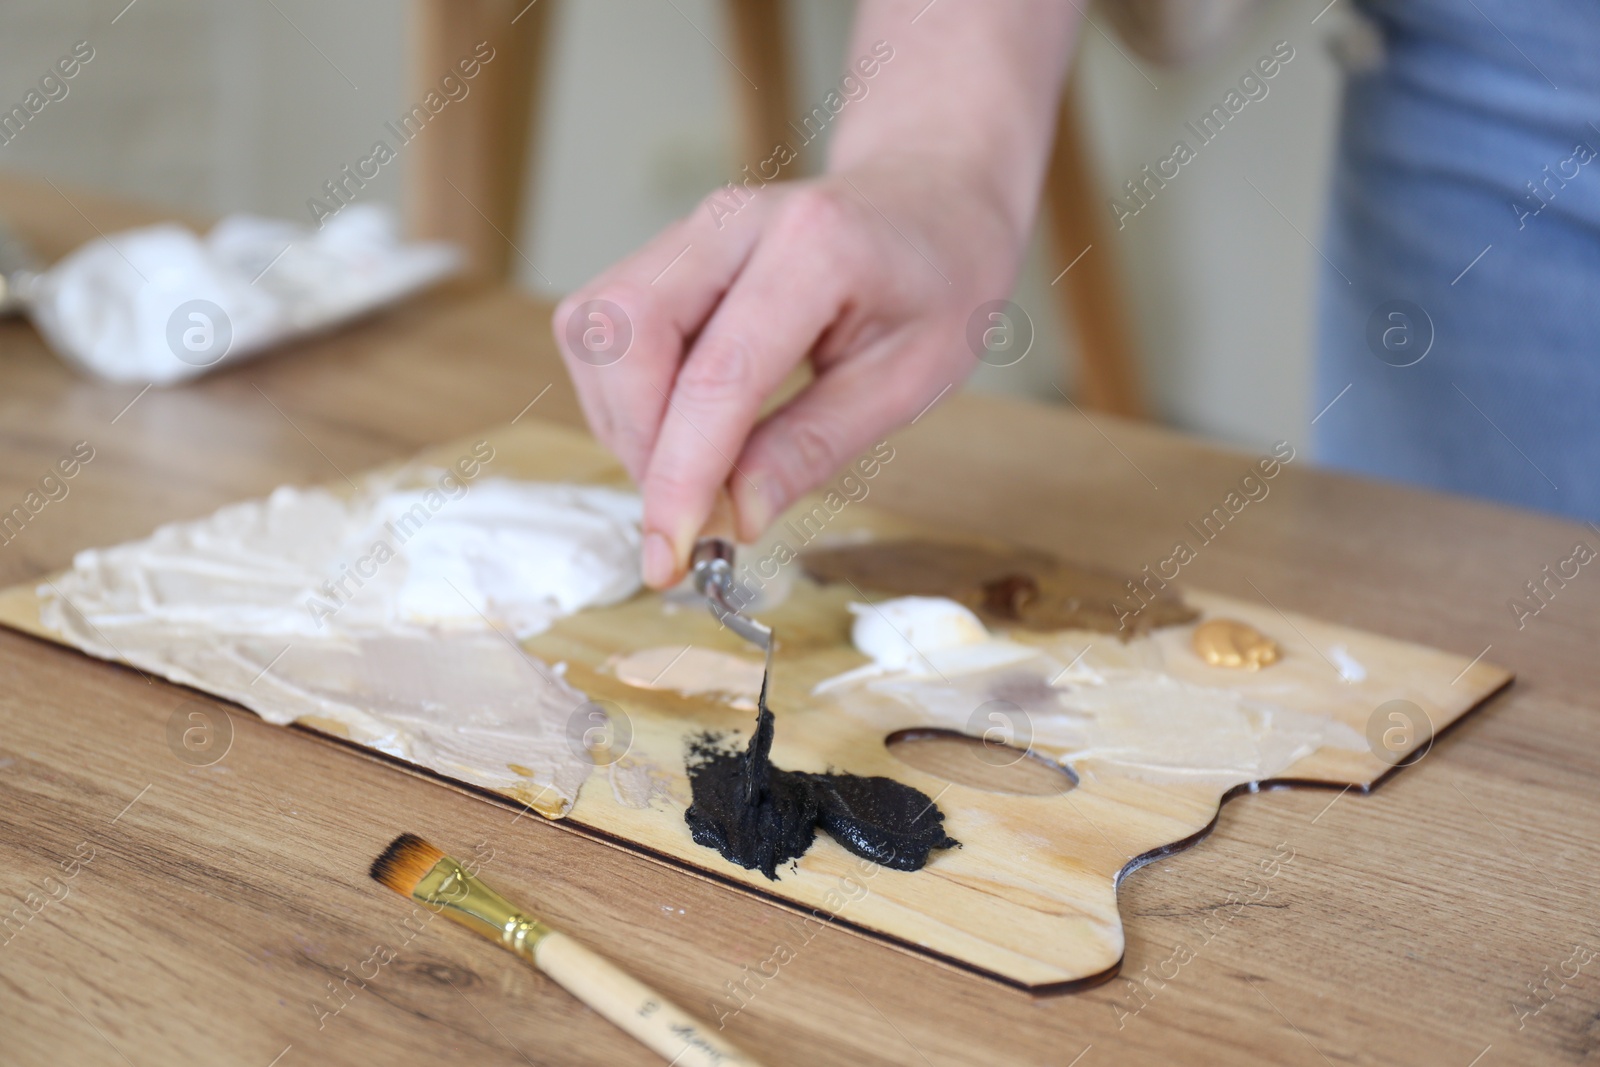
<point>1030,896</point>
<point>1448,918</point>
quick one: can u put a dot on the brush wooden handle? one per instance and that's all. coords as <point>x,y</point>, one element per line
<point>675,1035</point>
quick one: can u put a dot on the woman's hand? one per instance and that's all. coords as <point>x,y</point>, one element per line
<point>871,275</point>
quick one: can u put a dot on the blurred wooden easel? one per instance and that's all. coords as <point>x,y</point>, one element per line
<point>470,173</point>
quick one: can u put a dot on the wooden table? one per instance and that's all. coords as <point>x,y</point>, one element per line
<point>1422,924</point>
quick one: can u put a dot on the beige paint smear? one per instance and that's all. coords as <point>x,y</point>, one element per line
<point>691,671</point>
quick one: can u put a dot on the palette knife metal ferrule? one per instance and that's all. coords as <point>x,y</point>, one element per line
<point>711,570</point>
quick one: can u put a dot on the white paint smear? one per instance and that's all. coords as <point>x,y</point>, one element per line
<point>390,616</point>
<point>920,636</point>
<point>1112,714</point>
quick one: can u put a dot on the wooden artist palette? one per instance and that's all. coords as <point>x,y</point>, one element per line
<point>1031,897</point>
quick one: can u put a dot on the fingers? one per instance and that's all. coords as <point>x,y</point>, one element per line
<point>851,405</point>
<point>790,291</point>
<point>623,335</point>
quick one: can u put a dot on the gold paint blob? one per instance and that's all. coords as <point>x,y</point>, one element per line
<point>1235,644</point>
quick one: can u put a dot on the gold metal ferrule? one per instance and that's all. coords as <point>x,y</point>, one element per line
<point>451,890</point>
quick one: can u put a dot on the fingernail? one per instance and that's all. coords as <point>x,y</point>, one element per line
<point>658,563</point>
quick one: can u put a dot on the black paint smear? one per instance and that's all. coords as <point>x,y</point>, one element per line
<point>881,819</point>
<point>762,836</point>
<point>760,816</point>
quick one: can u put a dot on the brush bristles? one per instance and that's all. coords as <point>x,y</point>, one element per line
<point>406,861</point>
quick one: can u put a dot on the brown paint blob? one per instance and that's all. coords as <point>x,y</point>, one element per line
<point>1009,586</point>
<point>1234,644</point>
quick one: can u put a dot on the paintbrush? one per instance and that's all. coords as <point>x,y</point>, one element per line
<point>415,869</point>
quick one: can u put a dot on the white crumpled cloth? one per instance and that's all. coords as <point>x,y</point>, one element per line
<point>162,304</point>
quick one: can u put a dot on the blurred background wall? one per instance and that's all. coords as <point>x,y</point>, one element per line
<point>250,105</point>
